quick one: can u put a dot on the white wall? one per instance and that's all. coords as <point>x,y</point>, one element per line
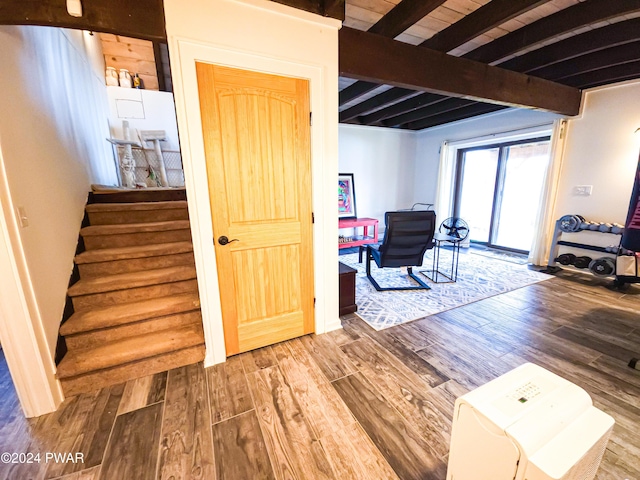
<point>52,140</point>
<point>383,163</point>
<point>144,110</point>
<point>601,150</point>
<point>269,37</point>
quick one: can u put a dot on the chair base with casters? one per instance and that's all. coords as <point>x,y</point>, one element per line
<point>370,256</point>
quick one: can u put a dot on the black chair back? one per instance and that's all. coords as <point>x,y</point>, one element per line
<point>407,236</point>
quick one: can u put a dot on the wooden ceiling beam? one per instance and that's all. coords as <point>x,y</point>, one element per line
<point>473,110</point>
<point>334,9</point>
<point>389,96</point>
<point>403,15</point>
<point>600,59</point>
<point>592,41</point>
<point>373,58</point>
<point>140,19</point>
<point>429,111</point>
<point>564,21</point>
<point>399,108</point>
<point>489,16</point>
<point>605,76</point>
<point>355,90</point>
<point>474,24</point>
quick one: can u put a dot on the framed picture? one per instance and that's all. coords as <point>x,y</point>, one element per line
<point>346,196</point>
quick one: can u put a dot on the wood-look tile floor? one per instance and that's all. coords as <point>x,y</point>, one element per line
<point>351,404</point>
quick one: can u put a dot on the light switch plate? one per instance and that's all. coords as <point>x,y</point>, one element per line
<point>583,190</point>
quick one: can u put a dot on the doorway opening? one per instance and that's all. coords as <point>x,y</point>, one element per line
<point>498,190</point>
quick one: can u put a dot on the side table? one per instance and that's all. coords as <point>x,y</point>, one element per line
<point>434,274</point>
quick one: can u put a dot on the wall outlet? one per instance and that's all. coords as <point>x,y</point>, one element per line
<point>583,190</point>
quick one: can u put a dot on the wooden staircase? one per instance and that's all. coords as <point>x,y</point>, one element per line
<point>136,305</point>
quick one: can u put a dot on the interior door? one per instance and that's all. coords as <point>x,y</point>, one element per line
<point>257,147</point>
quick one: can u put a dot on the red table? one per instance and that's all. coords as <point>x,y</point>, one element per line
<point>365,224</point>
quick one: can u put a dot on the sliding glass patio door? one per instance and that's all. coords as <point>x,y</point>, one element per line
<point>498,191</point>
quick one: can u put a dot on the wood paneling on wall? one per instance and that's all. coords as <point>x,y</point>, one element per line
<point>133,54</point>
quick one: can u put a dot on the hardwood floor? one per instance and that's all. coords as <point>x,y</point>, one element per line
<point>350,404</point>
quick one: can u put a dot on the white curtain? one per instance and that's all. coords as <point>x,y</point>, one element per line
<point>446,182</point>
<point>545,222</point>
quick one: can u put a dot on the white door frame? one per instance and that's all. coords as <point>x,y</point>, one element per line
<point>28,356</point>
<point>184,54</point>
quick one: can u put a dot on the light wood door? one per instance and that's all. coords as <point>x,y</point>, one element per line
<point>257,147</point>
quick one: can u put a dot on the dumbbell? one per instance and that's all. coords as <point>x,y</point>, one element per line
<point>571,223</point>
<point>566,259</point>
<point>585,225</point>
<point>611,248</point>
<point>582,262</point>
<point>605,227</point>
<point>594,225</point>
<point>617,228</point>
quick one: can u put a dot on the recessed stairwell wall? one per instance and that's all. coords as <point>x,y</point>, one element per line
<point>53,125</point>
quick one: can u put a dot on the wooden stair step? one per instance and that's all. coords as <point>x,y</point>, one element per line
<point>116,315</point>
<point>95,338</point>
<point>130,234</point>
<point>108,194</point>
<point>96,230</point>
<point>92,381</point>
<point>135,251</point>
<point>129,350</point>
<point>140,212</point>
<point>138,206</point>
<point>125,281</point>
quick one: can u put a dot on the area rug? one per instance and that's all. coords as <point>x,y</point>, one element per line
<point>517,258</point>
<point>479,277</point>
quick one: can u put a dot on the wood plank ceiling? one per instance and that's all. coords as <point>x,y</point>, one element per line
<point>402,73</point>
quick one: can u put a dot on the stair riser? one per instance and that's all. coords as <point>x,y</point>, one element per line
<point>84,302</point>
<point>133,239</point>
<point>98,337</point>
<point>92,270</point>
<point>137,216</point>
<point>122,373</point>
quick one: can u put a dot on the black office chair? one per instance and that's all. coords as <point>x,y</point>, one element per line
<point>407,237</point>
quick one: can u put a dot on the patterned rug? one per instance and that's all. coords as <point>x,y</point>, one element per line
<point>478,277</point>
<point>518,258</point>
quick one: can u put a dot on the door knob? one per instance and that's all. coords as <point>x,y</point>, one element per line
<point>224,240</point>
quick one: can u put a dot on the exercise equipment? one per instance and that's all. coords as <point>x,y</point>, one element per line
<point>566,259</point>
<point>617,228</point>
<point>603,266</point>
<point>582,262</point>
<point>571,223</point>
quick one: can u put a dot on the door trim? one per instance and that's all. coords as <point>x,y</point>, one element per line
<point>184,53</point>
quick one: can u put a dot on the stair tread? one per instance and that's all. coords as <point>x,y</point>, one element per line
<point>136,251</point>
<point>117,207</point>
<point>119,229</point>
<point>120,352</point>
<point>116,315</point>
<point>122,281</point>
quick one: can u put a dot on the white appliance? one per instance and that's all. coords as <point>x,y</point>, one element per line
<point>528,424</point>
